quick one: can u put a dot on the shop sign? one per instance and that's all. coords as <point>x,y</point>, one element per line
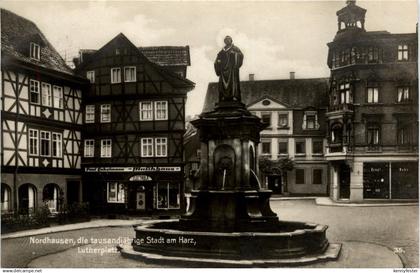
<point>131,169</point>
<point>140,177</point>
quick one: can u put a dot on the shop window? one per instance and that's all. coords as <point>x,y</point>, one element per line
<point>403,94</point>
<point>376,180</point>
<point>168,195</point>
<point>317,177</point>
<point>50,196</point>
<point>115,192</point>
<point>300,147</point>
<point>317,147</point>
<point>404,180</point>
<point>5,198</point>
<point>300,176</point>
<point>283,120</point>
<point>283,148</point>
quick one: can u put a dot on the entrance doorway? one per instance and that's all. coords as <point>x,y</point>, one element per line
<point>275,183</point>
<point>73,192</point>
<point>344,177</point>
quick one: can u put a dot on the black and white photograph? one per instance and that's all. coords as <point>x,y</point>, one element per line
<point>209,134</point>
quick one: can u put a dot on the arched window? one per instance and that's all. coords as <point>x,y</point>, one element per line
<point>5,198</point>
<point>336,133</point>
<point>27,198</point>
<point>50,195</point>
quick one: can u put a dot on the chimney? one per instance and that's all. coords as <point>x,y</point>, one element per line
<point>251,77</point>
<point>292,75</point>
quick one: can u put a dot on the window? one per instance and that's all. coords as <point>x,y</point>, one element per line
<point>115,75</point>
<point>90,75</point>
<point>373,135</point>
<point>115,192</point>
<point>317,147</point>
<point>300,147</point>
<point>130,74</point>
<point>266,118</point>
<point>89,148</point>
<point>345,93</point>
<point>300,176</point>
<point>58,97</point>
<point>35,51</point>
<point>90,114</point>
<point>283,120</point>
<point>372,95</point>
<point>147,147</point>
<point>310,121</point>
<point>337,133</point>
<point>33,142</point>
<point>283,147</point>
<point>374,54</point>
<point>266,147</point>
<point>45,139</point>
<point>317,177</point>
<point>57,146</point>
<point>168,195</point>
<point>34,90</point>
<point>105,113</point>
<point>46,94</point>
<point>161,110</point>
<point>161,146</point>
<point>106,147</point>
<point>403,94</point>
<point>146,111</point>
<point>403,53</point>
<point>404,132</point>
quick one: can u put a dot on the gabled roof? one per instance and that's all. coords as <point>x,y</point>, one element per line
<point>170,76</point>
<point>297,93</point>
<point>16,35</point>
<point>167,55</point>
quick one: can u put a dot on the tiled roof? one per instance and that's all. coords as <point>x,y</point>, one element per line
<point>16,35</point>
<point>297,93</point>
<point>167,55</point>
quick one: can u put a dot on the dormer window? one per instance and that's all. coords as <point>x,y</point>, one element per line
<point>310,120</point>
<point>35,51</point>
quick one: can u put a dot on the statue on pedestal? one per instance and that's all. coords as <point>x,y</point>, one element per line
<point>227,65</point>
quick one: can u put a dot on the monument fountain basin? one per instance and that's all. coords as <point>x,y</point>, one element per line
<point>169,238</point>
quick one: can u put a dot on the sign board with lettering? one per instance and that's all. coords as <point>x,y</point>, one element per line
<point>132,169</point>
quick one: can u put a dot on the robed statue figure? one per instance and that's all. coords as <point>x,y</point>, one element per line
<point>227,65</point>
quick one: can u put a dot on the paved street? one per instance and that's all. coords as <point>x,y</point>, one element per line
<point>389,226</point>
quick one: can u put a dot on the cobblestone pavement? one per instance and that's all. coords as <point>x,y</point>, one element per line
<point>393,227</point>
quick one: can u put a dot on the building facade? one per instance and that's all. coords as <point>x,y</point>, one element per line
<point>134,125</point>
<point>294,112</point>
<point>373,111</point>
<point>41,121</point>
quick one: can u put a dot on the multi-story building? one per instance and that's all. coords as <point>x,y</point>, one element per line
<point>294,111</point>
<point>41,121</point>
<point>373,111</point>
<point>134,125</point>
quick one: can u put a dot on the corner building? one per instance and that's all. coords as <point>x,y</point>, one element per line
<point>134,126</point>
<point>373,111</point>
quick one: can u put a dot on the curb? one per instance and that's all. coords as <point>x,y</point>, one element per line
<point>325,201</point>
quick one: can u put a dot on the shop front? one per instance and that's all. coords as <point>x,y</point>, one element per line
<point>135,190</point>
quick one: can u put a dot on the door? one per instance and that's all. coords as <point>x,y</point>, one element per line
<point>344,181</point>
<point>274,183</point>
<point>73,192</point>
<point>141,200</point>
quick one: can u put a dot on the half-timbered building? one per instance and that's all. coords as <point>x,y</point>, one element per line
<point>134,125</point>
<point>373,111</point>
<point>41,121</point>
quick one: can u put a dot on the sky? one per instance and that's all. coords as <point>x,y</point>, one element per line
<point>276,37</point>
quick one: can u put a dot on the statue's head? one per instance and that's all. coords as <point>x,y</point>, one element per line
<point>228,40</point>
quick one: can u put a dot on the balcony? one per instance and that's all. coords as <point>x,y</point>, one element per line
<point>345,107</point>
<point>337,151</point>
